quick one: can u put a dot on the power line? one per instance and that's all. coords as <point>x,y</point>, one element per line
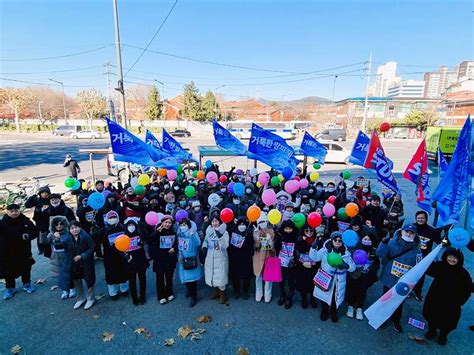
<point>56,57</point>
<point>54,71</point>
<point>48,84</point>
<point>156,33</point>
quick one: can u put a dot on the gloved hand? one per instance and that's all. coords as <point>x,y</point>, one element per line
<point>386,240</point>
<point>343,266</point>
<point>315,244</point>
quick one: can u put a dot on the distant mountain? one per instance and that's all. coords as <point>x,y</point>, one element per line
<point>310,100</point>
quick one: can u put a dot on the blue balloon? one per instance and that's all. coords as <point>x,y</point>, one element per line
<point>239,189</point>
<point>208,164</point>
<point>96,200</point>
<point>76,186</point>
<point>350,238</point>
<point>459,237</point>
<point>287,173</point>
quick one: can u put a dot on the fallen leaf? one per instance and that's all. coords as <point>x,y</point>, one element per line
<point>41,281</point>
<point>204,319</point>
<point>184,331</point>
<point>15,349</point>
<point>107,336</point>
<point>227,325</point>
<point>146,333</point>
<point>99,297</point>
<point>54,288</point>
<point>95,316</point>
<point>169,342</point>
<point>243,351</point>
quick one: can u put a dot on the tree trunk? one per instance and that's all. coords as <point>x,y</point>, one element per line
<point>90,122</point>
<point>17,120</point>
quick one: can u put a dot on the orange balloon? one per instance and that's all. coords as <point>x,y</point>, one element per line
<point>253,213</point>
<point>122,242</point>
<point>352,209</point>
<point>200,175</point>
<point>161,172</point>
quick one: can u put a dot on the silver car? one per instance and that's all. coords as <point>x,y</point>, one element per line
<point>90,134</point>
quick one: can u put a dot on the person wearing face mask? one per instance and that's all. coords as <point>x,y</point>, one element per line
<point>363,195</point>
<point>341,195</point>
<point>285,249</point>
<point>394,205</point>
<point>90,221</point>
<point>40,203</point>
<point>376,216</point>
<point>154,189</point>
<point>250,195</point>
<point>305,267</point>
<point>288,213</point>
<point>282,199</point>
<point>58,232</point>
<point>450,289</point>
<point>303,202</point>
<point>330,190</point>
<point>398,255</point>
<point>16,233</point>
<point>319,194</point>
<point>362,279</point>
<point>264,244</point>
<point>189,268</point>
<point>216,264</point>
<point>237,206</point>
<point>133,203</point>
<point>99,186</point>
<point>196,214</point>
<point>358,226</point>
<point>115,265</point>
<point>312,196</point>
<point>137,262</point>
<point>169,204</point>
<point>333,297</point>
<point>112,203</point>
<point>183,203</point>
<point>240,257</point>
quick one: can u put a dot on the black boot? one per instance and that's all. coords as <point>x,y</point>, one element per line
<point>289,303</point>
<point>192,302</point>
<point>431,333</point>
<point>304,300</point>
<point>186,293</point>
<point>324,314</point>
<point>314,304</point>
<point>442,338</point>
<point>282,299</point>
<point>334,314</point>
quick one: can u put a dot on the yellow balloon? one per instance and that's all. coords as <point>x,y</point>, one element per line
<point>143,179</point>
<point>274,216</point>
<point>84,185</point>
<point>259,185</point>
<point>281,178</point>
<point>314,176</point>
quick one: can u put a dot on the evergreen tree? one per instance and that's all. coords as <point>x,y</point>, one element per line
<point>192,102</point>
<point>154,106</point>
<point>208,106</point>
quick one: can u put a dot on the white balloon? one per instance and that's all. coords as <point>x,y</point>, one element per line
<point>134,181</point>
<point>213,199</point>
<point>253,172</point>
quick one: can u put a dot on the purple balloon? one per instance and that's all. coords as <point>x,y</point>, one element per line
<point>360,257</point>
<point>180,215</point>
<point>230,187</point>
<point>239,172</point>
<point>106,193</point>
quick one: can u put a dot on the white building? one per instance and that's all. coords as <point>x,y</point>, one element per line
<point>407,89</point>
<point>386,76</point>
<point>437,82</point>
<point>466,70</point>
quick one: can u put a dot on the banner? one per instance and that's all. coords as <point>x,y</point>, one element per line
<point>172,147</point>
<point>225,140</point>
<point>162,159</point>
<point>442,162</point>
<point>386,305</point>
<point>271,149</point>
<point>312,148</point>
<point>417,173</point>
<point>451,192</point>
<point>384,172</point>
<point>360,148</point>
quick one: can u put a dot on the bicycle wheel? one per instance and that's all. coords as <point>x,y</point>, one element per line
<point>4,193</point>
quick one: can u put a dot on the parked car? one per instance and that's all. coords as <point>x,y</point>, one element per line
<point>66,130</point>
<point>181,133</point>
<point>332,134</point>
<point>89,134</point>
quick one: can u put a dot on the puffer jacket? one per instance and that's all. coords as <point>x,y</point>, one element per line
<point>58,253</point>
<point>216,265</point>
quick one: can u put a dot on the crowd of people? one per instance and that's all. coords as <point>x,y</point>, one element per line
<point>189,231</point>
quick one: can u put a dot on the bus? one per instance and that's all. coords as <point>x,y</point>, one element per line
<point>241,129</point>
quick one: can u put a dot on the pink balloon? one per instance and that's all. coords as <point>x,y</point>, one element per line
<point>152,218</point>
<point>211,177</point>
<point>329,210</point>
<point>291,186</point>
<point>269,197</point>
<point>172,175</point>
<point>304,183</point>
<point>264,178</point>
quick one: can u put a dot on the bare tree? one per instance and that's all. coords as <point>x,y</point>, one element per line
<point>47,103</point>
<point>93,103</point>
<point>17,99</point>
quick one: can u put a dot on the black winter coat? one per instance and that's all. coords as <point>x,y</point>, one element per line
<point>84,268</point>
<point>115,263</point>
<point>15,250</point>
<point>136,258</point>
<point>240,257</point>
<point>304,276</point>
<point>41,212</point>
<point>163,260</point>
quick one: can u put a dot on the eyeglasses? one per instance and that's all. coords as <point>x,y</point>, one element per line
<point>309,231</point>
<point>338,240</point>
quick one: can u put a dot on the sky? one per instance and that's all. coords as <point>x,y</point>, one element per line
<point>275,43</point>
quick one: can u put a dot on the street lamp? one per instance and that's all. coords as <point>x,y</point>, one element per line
<point>64,103</point>
<point>163,97</point>
<point>215,101</point>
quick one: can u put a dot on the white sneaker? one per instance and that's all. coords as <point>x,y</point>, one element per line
<point>72,293</point>
<point>79,303</point>
<point>64,295</point>
<point>268,298</point>
<point>170,298</point>
<point>350,312</point>
<point>258,297</point>
<point>359,314</point>
<point>163,301</point>
<point>89,304</point>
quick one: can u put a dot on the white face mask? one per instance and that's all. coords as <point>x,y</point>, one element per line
<point>248,191</point>
<point>183,229</point>
<point>197,209</point>
<point>55,204</point>
<point>288,214</point>
<point>242,228</point>
<point>131,228</point>
<point>223,190</point>
<point>342,187</point>
<point>330,189</point>
<point>319,189</point>
<point>263,225</point>
<point>236,202</point>
<point>112,221</point>
<point>407,238</point>
<point>154,188</point>
<point>365,190</point>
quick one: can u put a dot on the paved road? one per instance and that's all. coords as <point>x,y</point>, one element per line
<point>42,323</point>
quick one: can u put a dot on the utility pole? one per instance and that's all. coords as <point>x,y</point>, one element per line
<point>334,89</point>
<point>162,98</point>
<point>120,87</point>
<point>364,119</point>
<point>64,102</point>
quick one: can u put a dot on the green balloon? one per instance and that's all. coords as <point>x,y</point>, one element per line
<point>275,181</point>
<point>195,173</point>
<point>334,259</point>
<point>69,182</point>
<point>180,169</point>
<point>180,178</point>
<point>299,220</point>
<point>317,166</point>
<point>139,190</point>
<point>346,174</point>
<point>190,191</point>
<point>341,214</point>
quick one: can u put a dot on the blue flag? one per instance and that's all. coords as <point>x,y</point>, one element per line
<point>271,149</point>
<point>127,147</point>
<point>162,159</point>
<point>442,163</point>
<point>384,172</point>
<point>451,192</point>
<point>225,140</point>
<point>360,149</point>
<point>312,148</point>
<point>172,146</point>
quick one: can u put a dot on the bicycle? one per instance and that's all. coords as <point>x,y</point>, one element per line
<point>19,194</point>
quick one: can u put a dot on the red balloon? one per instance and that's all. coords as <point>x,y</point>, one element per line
<point>314,219</point>
<point>223,178</point>
<point>332,200</point>
<point>385,127</point>
<point>297,178</point>
<point>227,215</point>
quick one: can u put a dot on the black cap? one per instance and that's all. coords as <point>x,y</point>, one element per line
<point>54,196</point>
<point>13,206</point>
